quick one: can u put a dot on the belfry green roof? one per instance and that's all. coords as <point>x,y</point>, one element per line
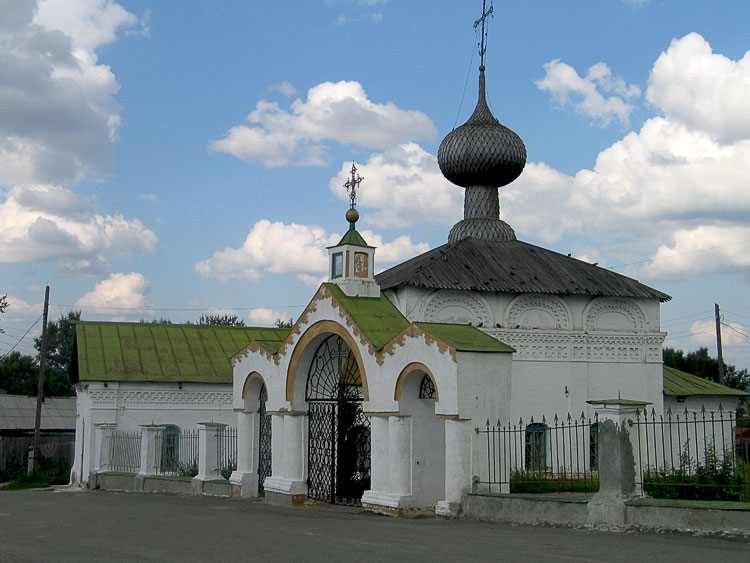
<point>376,317</point>
<point>352,237</point>
<point>106,351</point>
<point>680,383</point>
<point>465,338</point>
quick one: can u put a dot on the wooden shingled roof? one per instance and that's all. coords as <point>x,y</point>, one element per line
<point>511,267</point>
<point>107,351</point>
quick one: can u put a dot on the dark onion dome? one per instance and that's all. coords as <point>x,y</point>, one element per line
<point>482,151</point>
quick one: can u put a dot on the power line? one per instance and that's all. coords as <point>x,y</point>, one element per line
<point>24,336</point>
<point>678,254</point>
<point>149,309</point>
<point>687,316</point>
<point>730,327</point>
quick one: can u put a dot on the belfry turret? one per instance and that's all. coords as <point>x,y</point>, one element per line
<point>351,263</point>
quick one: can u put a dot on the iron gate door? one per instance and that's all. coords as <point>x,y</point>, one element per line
<point>264,441</point>
<point>338,452</point>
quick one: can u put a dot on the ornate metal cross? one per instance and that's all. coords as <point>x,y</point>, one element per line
<point>483,43</point>
<point>351,186</point>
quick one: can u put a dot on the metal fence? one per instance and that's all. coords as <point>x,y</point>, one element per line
<point>699,455</point>
<point>178,451</point>
<point>226,451</point>
<point>540,456</point>
<point>125,451</point>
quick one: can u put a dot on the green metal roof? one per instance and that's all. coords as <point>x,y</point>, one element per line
<point>352,237</point>
<point>108,351</point>
<point>376,317</point>
<point>680,383</point>
<point>465,338</point>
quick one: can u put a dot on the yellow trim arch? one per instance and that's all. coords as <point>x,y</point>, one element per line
<point>412,367</point>
<point>323,327</point>
<point>252,375</point>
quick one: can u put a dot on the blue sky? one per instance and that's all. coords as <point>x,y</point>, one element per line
<point>178,157</point>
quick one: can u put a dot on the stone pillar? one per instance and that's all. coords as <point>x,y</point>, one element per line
<point>208,449</point>
<point>399,455</point>
<point>104,432</point>
<point>246,475</point>
<point>287,485</point>
<point>616,462</point>
<point>379,484</point>
<point>150,455</point>
<point>457,466</point>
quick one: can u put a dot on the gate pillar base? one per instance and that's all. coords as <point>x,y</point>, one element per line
<point>449,509</point>
<point>246,481</point>
<point>285,492</point>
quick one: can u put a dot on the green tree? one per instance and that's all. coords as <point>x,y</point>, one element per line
<point>60,336</point>
<point>700,363</point>
<point>19,374</point>
<point>281,323</point>
<point>220,320</point>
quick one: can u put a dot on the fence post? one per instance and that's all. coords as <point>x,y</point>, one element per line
<point>616,462</point>
<point>208,449</point>
<point>150,457</point>
<point>103,438</point>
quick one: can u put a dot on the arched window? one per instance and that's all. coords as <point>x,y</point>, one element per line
<point>427,388</point>
<point>536,446</point>
<point>170,454</point>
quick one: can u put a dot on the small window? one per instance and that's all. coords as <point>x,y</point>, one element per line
<point>536,447</point>
<point>337,265</point>
<point>427,388</point>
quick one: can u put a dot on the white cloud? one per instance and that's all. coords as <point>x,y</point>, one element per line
<point>278,248</point>
<point>340,112</point>
<point>58,116</point>
<point>703,333</point>
<point>671,189</point>
<point>704,90</point>
<point>405,185</point>
<point>284,88</point>
<point>120,295</point>
<point>266,317</point>
<point>40,222</point>
<point>584,94</point>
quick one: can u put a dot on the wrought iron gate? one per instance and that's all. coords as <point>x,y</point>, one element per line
<point>338,430</point>
<point>264,441</point>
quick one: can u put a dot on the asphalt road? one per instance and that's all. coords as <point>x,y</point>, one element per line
<point>107,526</point>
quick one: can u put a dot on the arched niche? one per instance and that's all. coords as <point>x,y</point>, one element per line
<point>537,311</point>
<point>615,315</point>
<point>460,307</point>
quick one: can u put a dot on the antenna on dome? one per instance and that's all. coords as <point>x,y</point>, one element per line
<point>351,186</point>
<point>483,42</point>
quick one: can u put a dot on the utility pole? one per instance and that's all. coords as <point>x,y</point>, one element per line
<point>718,344</point>
<point>34,451</point>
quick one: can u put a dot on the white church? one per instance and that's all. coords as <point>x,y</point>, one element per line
<point>374,394</point>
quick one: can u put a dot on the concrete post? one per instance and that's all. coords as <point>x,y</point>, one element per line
<point>457,466</point>
<point>208,449</point>
<point>246,475</point>
<point>150,456</point>
<point>104,432</point>
<point>294,425</point>
<point>615,461</point>
<point>379,453</point>
<point>287,485</point>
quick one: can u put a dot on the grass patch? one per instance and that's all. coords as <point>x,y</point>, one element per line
<point>46,476</point>
<point>529,482</point>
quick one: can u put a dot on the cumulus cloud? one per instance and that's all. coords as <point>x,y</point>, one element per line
<point>703,333</point>
<point>58,116</point>
<point>405,185</point>
<point>279,248</point>
<point>705,91</point>
<point>284,88</point>
<point>266,317</point>
<point>40,222</point>
<point>337,112</point>
<point>586,94</point>
<point>675,187</point>
<point>116,293</point>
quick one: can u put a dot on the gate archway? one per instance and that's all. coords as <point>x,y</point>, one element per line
<point>338,430</point>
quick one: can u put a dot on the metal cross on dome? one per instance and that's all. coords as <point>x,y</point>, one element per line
<point>351,186</point>
<point>483,43</point>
